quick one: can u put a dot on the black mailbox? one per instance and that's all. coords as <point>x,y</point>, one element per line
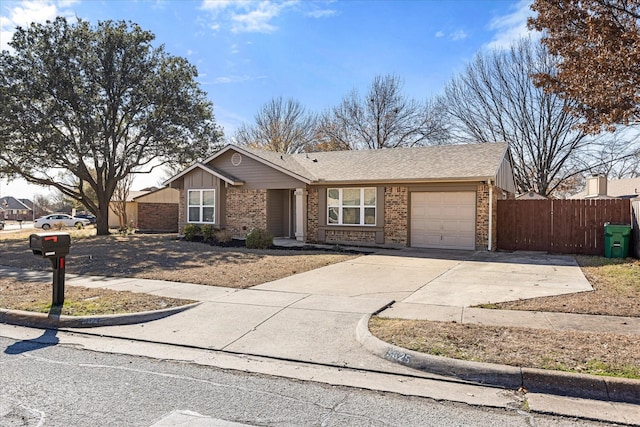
<point>50,245</point>
<point>54,246</point>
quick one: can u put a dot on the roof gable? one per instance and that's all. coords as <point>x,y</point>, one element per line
<point>230,179</point>
<point>284,163</point>
<point>9,202</point>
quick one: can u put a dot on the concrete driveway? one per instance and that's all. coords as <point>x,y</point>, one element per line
<point>312,316</point>
<point>451,278</point>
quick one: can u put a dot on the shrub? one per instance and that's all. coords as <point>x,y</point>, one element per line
<point>207,232</point>
<point>58,225</point>
<point>223,236</point>
<point>259,238</point>
<point>191,231</point>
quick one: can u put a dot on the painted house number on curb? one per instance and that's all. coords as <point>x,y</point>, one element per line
<point>398,356</point>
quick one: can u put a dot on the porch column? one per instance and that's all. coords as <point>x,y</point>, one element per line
<point>301,214</point>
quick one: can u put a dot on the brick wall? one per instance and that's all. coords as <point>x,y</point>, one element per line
<point>482,216</point>
<point>246,209</point>
<point>396,205</point>
<point>312,215</point>
<point>333,236</point>
<point>182,210</point>
<point>158,217</point>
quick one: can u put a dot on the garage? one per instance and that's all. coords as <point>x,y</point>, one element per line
<point>443,220</point>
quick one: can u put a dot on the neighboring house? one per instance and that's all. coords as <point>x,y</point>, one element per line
<point>598,187</point>
<point>16,209</point>
<point>530,195</point>
<point>432,197</point>
<point>131,208</point>
<point>158,210</point>
<point>151,209</point>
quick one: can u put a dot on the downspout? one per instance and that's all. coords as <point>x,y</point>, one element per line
<point>490,246</point>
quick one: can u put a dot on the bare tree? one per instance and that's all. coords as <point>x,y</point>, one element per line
<point>281,126</point>
<point>42,205</point>
<point>616,157</point>
<point>119,201</point>
<point>494,99</point>
<point>383,118</point>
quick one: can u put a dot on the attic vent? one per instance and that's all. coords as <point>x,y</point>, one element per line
<point>236,159</point>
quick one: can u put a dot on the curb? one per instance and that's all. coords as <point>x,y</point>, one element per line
<point>531,379</point>
<point>51,321</point>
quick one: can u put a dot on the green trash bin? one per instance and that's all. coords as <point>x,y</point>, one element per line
<point>616,240</point>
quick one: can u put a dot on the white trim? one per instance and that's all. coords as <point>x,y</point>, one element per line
<point>489,245</point>
<point>301,214</point>
<point>341,206</point>
<point>201,206</point>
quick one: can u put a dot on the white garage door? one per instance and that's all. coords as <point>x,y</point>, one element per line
<point>445,220</point>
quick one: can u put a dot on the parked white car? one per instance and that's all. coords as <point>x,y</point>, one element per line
<point>48,221</point>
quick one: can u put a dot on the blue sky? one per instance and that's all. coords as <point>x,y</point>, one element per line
<point>316,52</point>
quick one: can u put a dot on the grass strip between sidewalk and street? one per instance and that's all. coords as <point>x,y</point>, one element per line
<point>79,300</point>
<point>571,351</point>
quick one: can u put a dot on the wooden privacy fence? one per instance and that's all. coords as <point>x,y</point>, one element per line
<point>558,226</point>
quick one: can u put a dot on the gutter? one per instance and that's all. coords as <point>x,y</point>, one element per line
<point>462,180</point>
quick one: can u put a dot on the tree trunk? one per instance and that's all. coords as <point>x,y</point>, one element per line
<point>102,224</point>
<point>102,218</point>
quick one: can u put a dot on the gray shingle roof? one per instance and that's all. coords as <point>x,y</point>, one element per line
<point>11,203</point>
<point>443,162</point>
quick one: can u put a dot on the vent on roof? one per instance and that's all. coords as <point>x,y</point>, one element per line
<point>236,159</point>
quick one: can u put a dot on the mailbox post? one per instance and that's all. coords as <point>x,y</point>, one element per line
<point>54,246</point>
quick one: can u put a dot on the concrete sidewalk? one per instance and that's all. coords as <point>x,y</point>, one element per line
<point>313,317</point>
<point>526,319</point>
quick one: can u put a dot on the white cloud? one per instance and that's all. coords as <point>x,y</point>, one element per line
<point>215,5</point>
<point>257,20</point>
<point>458,35</point>
<point>28,11</point>
<point>321,13</point>
<point>231,79</point>
<point>439,34</point>
<point>511,27</point>
<point>246,15</point>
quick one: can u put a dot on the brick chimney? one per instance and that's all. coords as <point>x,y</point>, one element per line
<point>596,186</point>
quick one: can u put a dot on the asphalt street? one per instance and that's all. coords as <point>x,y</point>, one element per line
<point>59,385</point>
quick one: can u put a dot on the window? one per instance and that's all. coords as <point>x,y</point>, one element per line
<point>351,206</point>
<point>201,206</point>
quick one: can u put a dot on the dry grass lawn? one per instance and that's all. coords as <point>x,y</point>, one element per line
<point>589,353</point>
<point>80,301</point>
<point>164,257</point>
<point>160,257</point>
